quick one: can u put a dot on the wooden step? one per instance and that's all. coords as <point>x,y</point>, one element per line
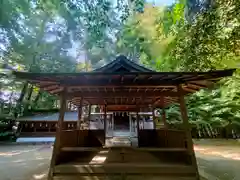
<point>119,168</point>
<point>121,178</point>
<point>161,149</point>
<point>71,149</point>
<point>122,147</point>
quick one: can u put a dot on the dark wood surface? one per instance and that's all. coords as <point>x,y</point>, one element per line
<point>123,82</point>
<point>127,161</point>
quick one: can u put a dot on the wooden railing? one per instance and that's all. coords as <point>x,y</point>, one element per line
<point>43,126</point>
<point>74,139</point>
<point>82,138</point>
<point>164,138</point>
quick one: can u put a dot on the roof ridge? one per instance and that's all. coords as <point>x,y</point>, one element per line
<point>120,60</point>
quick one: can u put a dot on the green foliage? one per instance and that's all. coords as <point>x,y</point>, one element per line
<point>71,36</point>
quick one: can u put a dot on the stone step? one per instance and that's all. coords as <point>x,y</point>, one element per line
<point>118,141</point>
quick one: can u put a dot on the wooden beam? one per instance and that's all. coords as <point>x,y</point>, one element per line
<point>187,128</point>
<point>199,86</point>
<point>195,86</point>
<point>122,94</point>
<point>143,104</point>
<point>56,91</point>
<point>118,83</point>
<point>189,90</point>
<point>57,76</point>
<point>50,87</point>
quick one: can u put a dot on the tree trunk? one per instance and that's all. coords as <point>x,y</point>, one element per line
<point>37,98</point>
<point>29,95</point>
<point>211,134</point>
<point>224,133</point>
<point>23,92</point>
<point>201,131</point>
<point>20,100</point>
<point>10,103</point>
<point>206,131</point>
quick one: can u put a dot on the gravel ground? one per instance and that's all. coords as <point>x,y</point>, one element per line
<point>217,168</point>
<point>219,161</point>
<point>24,162</point>
<point>30,162</point>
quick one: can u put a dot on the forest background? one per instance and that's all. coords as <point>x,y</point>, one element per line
<point>75,36</point>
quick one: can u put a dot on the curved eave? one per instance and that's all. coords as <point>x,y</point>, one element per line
<point>124,88</point>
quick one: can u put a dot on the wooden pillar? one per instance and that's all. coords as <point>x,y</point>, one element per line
<point>62,112</point>
<point>153,115</point>
<point>163,114</point>
<point>137,121</point>
<point>89,115</point>
<point>105,118</point>
<point>187,128</point>
<point>130,122</point>
<point>49,127</point>
<point>57,143</point>
<point>79,114</point>
<point>67,105</point>
<point>164,118</point>
<point>112,126</point>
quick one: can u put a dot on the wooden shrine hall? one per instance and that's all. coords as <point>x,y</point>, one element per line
<point>124,86</point>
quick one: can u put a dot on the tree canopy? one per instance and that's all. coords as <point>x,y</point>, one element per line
<point>74,36</point>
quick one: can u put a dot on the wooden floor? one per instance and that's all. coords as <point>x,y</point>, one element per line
<point>123,163</point>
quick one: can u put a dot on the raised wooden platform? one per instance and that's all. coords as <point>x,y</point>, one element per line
<point>124,162</point>
<point>87,157</point>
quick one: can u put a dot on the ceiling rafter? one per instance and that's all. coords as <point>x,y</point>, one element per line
<point>122,81</point>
